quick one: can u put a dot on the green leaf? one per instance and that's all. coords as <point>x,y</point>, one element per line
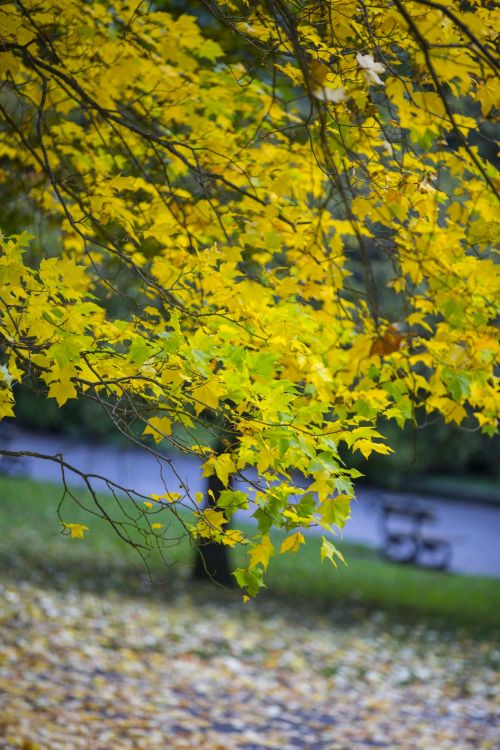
<point>231,501</point>
<point>336,511</point>
<point>250,579</point>
<point>307,505</point>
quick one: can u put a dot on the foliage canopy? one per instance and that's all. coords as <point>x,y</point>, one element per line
<point>277,240</point>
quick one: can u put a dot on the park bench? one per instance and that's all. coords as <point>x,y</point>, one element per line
<point>406,537</point>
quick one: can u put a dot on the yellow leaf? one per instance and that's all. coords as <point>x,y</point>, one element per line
<point>158,427</point>
<point>173,496</point>
<point>210,523</point>
<point>170,497</point>
<point>156,525</point>
<point>224,467</point>
<point>77,529</point>
<point>215,518</point>
<point>457,414</point>
<point>323,484</point>
<point>318,72</point>
<point>232,537</point>
<point>330,551</point>
<point>293,516</point>
<point>262,552</point>
<point>208,395</point>
<point>62,390</point>
<point>6,403</point>
<point>147,504</point>
<point>292,543</point>
<point>367,446</point>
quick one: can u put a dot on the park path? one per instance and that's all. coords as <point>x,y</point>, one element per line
<point>472,527</point>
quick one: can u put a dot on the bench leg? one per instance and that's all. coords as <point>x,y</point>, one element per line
<point>401,548</point>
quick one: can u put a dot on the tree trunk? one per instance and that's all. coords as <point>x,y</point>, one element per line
<point>212,559</point>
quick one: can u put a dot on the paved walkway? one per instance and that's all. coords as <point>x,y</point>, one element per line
<point>473,528</point>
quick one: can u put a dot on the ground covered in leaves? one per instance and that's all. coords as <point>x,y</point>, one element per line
<point>82,671</point>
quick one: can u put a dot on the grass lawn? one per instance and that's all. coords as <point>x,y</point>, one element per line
<point>33,548</point>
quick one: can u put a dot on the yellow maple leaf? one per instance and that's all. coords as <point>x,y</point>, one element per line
<point>232,537</point>
<point>6,403</point>
<point>262,552</point>
<point>62,390</point>
<point>224,466</point>
<point>208,395</point>
<point>318,72</point>
<point>170,497</point>
<point>329,551</point>
<point>210,523</point>
<point>158,427</point>
<point>367,446</point>
<point>77,529</point>
<point>292,543</point>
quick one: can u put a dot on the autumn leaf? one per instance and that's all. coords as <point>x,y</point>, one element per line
<point>292,542</point>
<point>261,553</point>
<point>371,68</point>
<point>392,340</point>
<point>159,428</point>
<point>192,652</point>
<point>232,537</point>
<point>336,510</point>
<point>77,530</point>
<point>168,497</point>
<point>318,71</point>
<point>329,552</point>
<point>366,447</point>
<point>223,466</point>
<point>62,390</point>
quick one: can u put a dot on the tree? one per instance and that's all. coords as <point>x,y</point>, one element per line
<point>188,235</point>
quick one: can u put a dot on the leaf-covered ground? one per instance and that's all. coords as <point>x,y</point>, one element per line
<point>81,671</point>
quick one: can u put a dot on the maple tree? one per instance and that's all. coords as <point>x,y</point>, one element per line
<point>208,231</point>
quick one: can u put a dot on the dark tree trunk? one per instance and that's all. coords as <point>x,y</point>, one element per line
<point>212,560</point>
